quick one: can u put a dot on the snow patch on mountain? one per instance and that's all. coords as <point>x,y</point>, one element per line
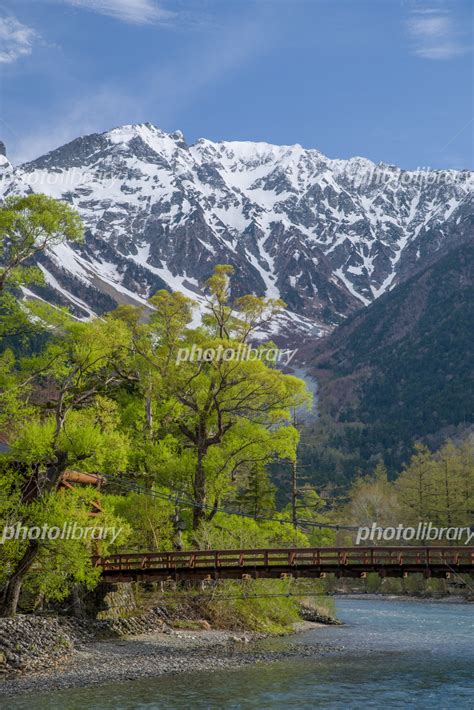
<point>327,236</point>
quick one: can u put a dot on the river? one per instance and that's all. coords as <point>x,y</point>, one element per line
<point>396,654</point>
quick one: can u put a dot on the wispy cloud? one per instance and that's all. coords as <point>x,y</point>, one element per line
<point>160,94</point>
<point>16,39</point>
<point>98,111</point>
<point>435,35</point>
<point>139,12</point>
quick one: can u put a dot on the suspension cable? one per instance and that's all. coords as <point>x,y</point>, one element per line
<point>186,502</point>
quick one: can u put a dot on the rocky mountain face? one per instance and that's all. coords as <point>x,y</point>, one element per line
<point>326,236</point>
<point>397,371</point>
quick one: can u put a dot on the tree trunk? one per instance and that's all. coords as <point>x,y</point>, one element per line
<point>77,603</point>
<point>149,416</point>
<point>11,592</point>
<point>199,489</point>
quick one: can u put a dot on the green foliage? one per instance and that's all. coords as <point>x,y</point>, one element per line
<point>439,487</point>
<point>150,521</point>
<point>373,498</point>
<point>247,605</point>
<point>311,508</point>
<point>204,421</point>
<point>436,487</point>
<point>235,532</point>
<point>60,563</point>
<point>112,396</point>
<point>397,372</point>
<point>116,396</point>
<point>29,225</point>
<point>255,494</point>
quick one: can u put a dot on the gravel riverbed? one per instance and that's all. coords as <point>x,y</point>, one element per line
<point>156,654</point>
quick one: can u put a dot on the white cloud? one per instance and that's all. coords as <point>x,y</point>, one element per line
<point>16,40</point>
<point>138,12</point>
<point>434,35</point>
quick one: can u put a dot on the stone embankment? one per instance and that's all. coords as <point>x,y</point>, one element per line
<point>32,643</point>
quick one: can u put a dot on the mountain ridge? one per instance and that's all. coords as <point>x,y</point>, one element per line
<point>328,236</point>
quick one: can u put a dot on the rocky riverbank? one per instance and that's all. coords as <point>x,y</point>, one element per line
<point>28,643</point>
<point>81,661</point>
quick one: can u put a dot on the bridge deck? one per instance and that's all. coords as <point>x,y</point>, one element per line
<point>297,562</point>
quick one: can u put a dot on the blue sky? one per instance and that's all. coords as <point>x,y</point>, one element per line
<point>391,80</point>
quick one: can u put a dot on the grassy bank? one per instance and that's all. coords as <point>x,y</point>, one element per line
<point>266,606</point>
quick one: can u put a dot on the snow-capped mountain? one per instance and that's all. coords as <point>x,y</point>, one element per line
<point>327,236</point>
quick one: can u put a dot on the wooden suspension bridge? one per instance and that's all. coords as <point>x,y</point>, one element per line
<point>442,562</point>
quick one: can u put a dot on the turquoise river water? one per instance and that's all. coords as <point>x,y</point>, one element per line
<point>397,654</point>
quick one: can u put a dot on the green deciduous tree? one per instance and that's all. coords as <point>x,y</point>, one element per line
<point>373,500</point>
<point>256,493</point>
<point>416,487</point>
<point>30,225</point>
<point>70,420</point>
<point>220,415</point>
<point>439,487</point>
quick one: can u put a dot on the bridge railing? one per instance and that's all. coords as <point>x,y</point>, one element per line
<point>289,557</point>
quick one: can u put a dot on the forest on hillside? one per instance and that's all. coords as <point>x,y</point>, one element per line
<point>396,373</point>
